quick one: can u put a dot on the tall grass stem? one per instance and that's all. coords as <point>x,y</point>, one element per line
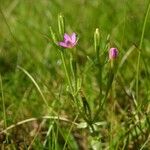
<point>3,103</point>
<point>139,53</point>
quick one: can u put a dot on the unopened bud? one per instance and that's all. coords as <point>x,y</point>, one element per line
<point>97,40</point>
<point>113,53</point>
<point>61,25</point>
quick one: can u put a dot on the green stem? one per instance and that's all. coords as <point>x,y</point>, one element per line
<point>113,84</point>
<point>66,72</point>
<point>100,80</point>
<point>71,87</point>
<point>4,109</point>
<point>76,67</point>
<point>109,87</point>
<point>99,65</point>
<point>139,54</point>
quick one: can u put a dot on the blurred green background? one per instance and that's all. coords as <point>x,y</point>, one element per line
<point>25,41</point>
<point>25,27</point>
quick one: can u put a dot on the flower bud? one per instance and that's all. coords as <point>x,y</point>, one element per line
<point>61,25</point>
<point>97,40</point>
<point>113,53</point>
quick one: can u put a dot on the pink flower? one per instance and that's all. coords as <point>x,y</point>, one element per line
<point>69,41</point>
<point>113,53</point>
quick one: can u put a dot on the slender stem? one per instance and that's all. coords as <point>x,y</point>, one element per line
<point>144,25</point>
<point>35,119</point>
<point>4,109</point>
<point>100,80</point>
<point>99,65</point>
<point>71,87</point>
<point>67,138</point>
<point>76,67</point>
<point>137,76</point>
<point>113,84</point>
<point>73,66</point>
<point>109,87</point>
<point>38,88</point>
<point>139,54</point>
<point>124,24</point>
<point>66,72</point>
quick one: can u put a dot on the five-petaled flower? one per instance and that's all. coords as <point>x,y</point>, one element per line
<point>113,53</point>
<point>69,41</point>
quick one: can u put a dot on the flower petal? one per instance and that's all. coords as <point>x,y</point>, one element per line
<point>73,38</point>
<point>67,37</point>
<point>63,44</point>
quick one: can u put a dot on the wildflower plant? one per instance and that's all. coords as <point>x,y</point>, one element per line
<point>83,85</point>
<point>91,92</point>
<point>63,44</point>
<point>105,70</point>
<point>66,43</point>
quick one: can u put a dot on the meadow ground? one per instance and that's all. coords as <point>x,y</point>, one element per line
<point>74,98</point>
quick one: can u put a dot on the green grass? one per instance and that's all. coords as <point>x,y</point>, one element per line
<point>59,99</point>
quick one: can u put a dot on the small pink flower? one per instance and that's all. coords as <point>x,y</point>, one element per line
<point>69,41</point>
<point>113,53</point>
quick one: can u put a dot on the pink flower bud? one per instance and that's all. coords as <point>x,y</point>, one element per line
<point>113,53</point>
